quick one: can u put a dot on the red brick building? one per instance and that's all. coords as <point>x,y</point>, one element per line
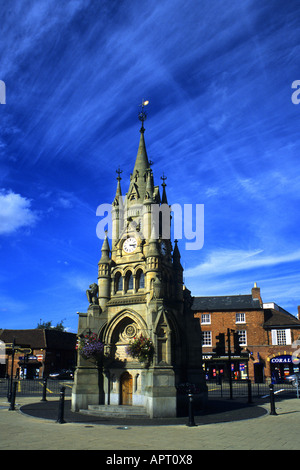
<point>263,337</point>
<point>38,352</point>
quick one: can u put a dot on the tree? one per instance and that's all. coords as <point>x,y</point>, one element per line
<point>47,325</point>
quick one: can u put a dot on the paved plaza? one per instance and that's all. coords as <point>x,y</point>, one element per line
<point>20,431</point>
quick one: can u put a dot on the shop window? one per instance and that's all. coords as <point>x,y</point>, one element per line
<point>206,338</point>
<point>240,318</point>
<point>205,318</point>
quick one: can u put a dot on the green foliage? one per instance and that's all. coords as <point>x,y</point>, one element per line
<point>90,347</point>
<point>47,325</point>
<point>141,348</point>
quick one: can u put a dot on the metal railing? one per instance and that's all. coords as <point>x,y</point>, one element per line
<point>216,388</point>
<point>35,387</point>
<point>240,388</point>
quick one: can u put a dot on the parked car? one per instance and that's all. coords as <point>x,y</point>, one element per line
<point>292,379</point>
<point>64,374</point>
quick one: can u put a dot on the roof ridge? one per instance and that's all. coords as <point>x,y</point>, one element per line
<point>213,296</point>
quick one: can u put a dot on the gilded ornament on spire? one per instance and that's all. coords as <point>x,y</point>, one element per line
<point>142,115</point>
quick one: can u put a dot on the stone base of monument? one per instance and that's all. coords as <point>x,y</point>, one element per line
<point>116,411</point>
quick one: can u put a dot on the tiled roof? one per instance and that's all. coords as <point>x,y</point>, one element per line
<point>273,317</point>
<point>40,338</point>
<point>226,302</point>
<point>280,318</point>
<point>35,338</point>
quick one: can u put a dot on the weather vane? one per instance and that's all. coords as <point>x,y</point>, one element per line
<point>118,171</point>
<point>142,114</point>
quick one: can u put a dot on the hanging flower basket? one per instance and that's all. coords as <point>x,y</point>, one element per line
<point>142,349</point>
<point>90,347</point>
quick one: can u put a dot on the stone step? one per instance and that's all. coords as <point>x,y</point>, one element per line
<point>116,411</point>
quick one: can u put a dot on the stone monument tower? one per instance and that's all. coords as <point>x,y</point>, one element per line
<point>139,297</point>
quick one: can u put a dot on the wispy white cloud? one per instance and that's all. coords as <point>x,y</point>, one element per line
<point>15,212</point>
<point>284,290</point>
<point>33,21</point>
<point>76,72</point>
<point>222,262</point>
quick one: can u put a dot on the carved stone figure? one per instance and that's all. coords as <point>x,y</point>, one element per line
<point>92,293</point>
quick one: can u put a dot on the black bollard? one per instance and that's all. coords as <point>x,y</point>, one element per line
<point>272,400</point>
<point>249,392</point>
<point>44,389</point>
<point>61,408</point>
<point>191,421</point>
<point>13,397</point>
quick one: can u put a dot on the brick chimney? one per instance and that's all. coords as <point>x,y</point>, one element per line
<point>256,293</point>
<point>298,312</point>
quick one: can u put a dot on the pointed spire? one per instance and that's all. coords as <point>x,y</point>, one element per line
<point>118,197</point>
<point>137,188</point>
<point>138,180</point>
<point>105,250</point>
<point>141,162</point>
<point>176,255</point>
<point>164,199</point>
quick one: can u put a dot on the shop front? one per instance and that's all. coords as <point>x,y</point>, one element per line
<point>30,367</point>
<point>218,367</point>
<point>282,366</point>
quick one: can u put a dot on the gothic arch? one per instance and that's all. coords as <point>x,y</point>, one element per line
<point>168,316</point>
<point>167,338</point>
<point>128,281</point>
<point>131,315</point>
<point>122,329</point>
<point>117,271</point>
<point>138,267</point>
<point>140,280</point>
<point>118,281</point>
<point>162,333</point>
<point>127,269</point>
<point>121,281</point>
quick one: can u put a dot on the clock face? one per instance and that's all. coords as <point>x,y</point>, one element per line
<point>130,245</point>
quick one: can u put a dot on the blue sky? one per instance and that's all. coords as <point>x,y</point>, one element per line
<point>221,126</point>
